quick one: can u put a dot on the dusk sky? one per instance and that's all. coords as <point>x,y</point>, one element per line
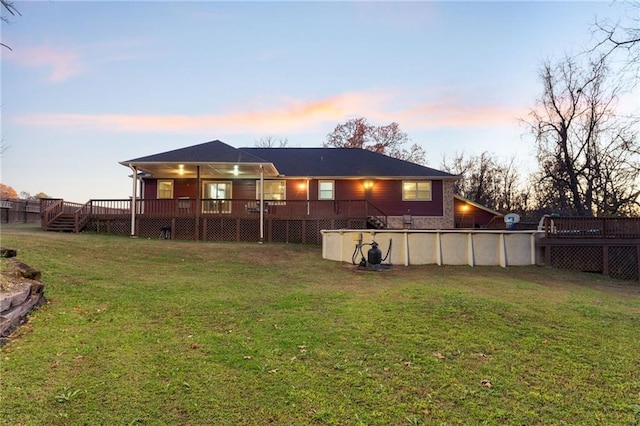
<point>89,84</point>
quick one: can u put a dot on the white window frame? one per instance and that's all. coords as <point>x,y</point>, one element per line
<point>320,190</point>
<point>414,194</point>
<point>158,190</point>
<point>273,197</point>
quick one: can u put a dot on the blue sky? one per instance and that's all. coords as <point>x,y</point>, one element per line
<point>89,84</point>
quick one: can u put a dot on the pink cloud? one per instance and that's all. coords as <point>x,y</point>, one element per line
<point>448,114</point>
<point>61,64</point>
<point>294,116</point>
<point>291,116</point>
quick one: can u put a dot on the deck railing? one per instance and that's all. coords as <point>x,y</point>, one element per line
<point>188,207</point>
<point>591,227</point>
<point>52,208</point>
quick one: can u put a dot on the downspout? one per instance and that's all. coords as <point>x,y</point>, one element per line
<point>133,200</point>
<point>261,205</point>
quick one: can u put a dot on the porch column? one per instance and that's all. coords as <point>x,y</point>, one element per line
<point>308,196</point>
<point>133,200</point>
<point>261,204</point>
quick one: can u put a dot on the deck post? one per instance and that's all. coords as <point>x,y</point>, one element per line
<point>261,204</point>
<point>198,203</point>
<point>133,200</point>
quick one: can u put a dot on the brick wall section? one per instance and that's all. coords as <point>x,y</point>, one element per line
<point>431,222</point>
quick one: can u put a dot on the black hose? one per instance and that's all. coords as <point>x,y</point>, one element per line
<point>388,250</point>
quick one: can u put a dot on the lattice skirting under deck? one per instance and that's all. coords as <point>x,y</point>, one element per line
<point>303,231</point>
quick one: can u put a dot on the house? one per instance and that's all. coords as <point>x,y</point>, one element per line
<point>215,191</point>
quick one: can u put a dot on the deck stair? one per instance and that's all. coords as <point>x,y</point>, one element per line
<point>376,222</point>
<point>63,223</point>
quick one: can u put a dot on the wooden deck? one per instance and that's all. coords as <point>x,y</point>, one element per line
<point>610,246</point>
<point>227,220</point>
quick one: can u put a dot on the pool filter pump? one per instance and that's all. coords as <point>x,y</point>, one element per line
<point>374,259</point>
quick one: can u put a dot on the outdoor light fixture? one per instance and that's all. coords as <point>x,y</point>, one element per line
<point>368,184</point>
<point>181,169</point>
<point>235,170</point>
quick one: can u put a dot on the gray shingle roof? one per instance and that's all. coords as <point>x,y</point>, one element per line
<point>208,152</point>
<point>334,162</point>
<point>308,162</point>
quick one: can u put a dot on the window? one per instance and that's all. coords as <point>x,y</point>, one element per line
<point>416,190</point>
<point>274,190</point>
<point>216,197</point>
<point>325,190</point>
<point>165,189</point>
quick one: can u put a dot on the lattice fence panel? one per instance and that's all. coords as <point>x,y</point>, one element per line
<point>151,228</point>
<point>623,262</point>
<point>577,258</point>
<point>312,231</point>
<point>356,224</point>
<point>278,231</point>
<point>339,224</point>
<point>214,229</point>
<point>295,231</point>
<point>286,231</point>
<point>120,227</point>
<point>249,230</point>
<point>185,229</point>
<point>230,229</point>
<point>117,227</point>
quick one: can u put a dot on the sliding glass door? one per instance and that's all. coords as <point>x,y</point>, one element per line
<point>216,197</point>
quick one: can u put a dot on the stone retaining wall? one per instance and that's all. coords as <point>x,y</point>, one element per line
<point>25,293</point>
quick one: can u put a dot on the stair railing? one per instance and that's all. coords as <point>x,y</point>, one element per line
<point>52,208</point>
<point>373,211</point>
<point>81,217</point>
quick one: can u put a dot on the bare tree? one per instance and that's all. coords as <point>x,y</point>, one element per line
<point>8,7</point>
<point>271,141</point>
<point>622,37</point>
<point>485,180</point>
<point>584,150</point>
<point>388,140</point>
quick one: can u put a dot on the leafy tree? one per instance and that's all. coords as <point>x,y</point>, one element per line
<point>27,196</point>
<point>388,140</point>
<point>7,192</point>
<point>588,156</point>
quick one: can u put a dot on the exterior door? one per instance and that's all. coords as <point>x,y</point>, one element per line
<point>216,197</point>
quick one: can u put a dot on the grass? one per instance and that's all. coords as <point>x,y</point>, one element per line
<point>172,332</point>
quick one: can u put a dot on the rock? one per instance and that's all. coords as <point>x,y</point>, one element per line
<point>6,252</point>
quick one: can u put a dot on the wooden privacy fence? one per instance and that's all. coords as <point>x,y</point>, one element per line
<point>17,210</point>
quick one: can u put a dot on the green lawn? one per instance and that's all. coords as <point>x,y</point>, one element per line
<point>141,331</point>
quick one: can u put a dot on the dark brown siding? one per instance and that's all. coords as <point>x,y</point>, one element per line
<point>150,189</point>
<point>297,189</point>
<point>243,189</point>
<point>387,196</point>
<point>469,216</point>
<point>348,189</point>
<point>184,188</point>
